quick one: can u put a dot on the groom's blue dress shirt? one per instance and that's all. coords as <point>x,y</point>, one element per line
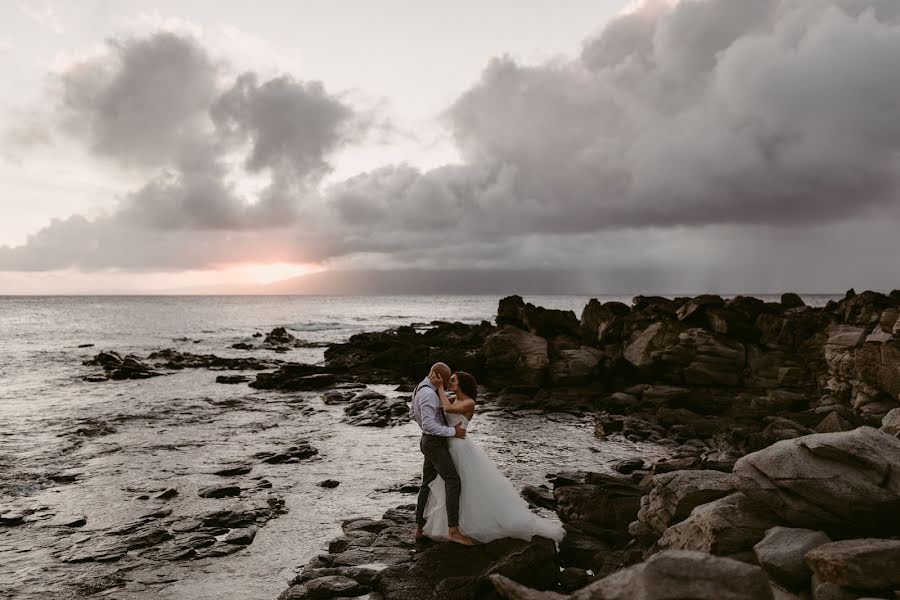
<point>425,409</point>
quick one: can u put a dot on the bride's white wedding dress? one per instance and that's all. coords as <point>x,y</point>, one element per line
<point>490,508</point>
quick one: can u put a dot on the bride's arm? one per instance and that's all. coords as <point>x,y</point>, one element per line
<point>459,407</point>
<point>442,394</point>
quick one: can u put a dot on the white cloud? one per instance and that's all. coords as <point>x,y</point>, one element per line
<point>44,15</point>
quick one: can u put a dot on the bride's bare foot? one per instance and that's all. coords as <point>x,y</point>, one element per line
<point>455,536</point>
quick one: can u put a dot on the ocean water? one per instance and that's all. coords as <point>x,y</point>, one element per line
<point>72,447</point>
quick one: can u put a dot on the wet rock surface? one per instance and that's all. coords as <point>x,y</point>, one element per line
<point>862,564</point>
<point>782,552</point>
<point>402,569</point>
<point>117,367</point>
<point>841,483</point>
<point>766,413</point>
<point>671,574</point>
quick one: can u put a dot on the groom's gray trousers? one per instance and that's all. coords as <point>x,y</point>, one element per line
<point>438,462</point>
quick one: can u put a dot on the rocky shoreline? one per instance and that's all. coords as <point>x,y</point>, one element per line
<point>778,485</point>
<point>782,481</point>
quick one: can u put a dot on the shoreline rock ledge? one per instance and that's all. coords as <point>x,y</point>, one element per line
<point>814,517</point>
<point>380,559</point>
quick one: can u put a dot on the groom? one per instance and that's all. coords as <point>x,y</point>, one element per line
<point>425,410</point>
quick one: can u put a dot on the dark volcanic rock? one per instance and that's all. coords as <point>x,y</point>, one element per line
<point>841,483</point>
<point>428,570</point>
<point>293,454</point>
<point>295,378</point>
<point>405,353</point>
<point>407,487</point>
<point>868,564</point>
<point>231,471</point>
<point>453,571</point>
<point>728,526</point>
<point>536,319</point>
<point>791,300</point>
<point>781,553</point>
<point>329,483</point>
<point>219,491</point>
<point>242,536</point>
<point>538,496</point>
<point>232,379</point>
<point>375,410</point>
<point>665,576</point>
<point>117,367</point>
<point>674,495</point>
<point>603,500</point>
<point>166,494</point>
<point>173,359</point>
<point>603,322</point>
<point>517,356</point>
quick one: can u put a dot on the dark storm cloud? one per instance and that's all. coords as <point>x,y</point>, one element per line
<point>705,117</point>
<point>154,104</point>
<point>706,112</point>
<point>142,100</point>
<point>289,123</point>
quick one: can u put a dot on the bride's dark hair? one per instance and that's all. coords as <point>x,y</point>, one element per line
<point>467,384</point>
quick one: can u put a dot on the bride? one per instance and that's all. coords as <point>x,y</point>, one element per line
<point>489,506</point>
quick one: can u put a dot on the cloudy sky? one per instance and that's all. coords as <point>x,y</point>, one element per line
<point>599,146</point>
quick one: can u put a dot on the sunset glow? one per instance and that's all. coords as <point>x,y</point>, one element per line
<point>263,273</point>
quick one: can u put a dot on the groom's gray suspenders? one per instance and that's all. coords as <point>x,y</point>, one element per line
<point>440,411</point>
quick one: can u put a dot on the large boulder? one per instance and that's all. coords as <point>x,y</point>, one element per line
<point>728,526</point>
<point>876,380</point>
<point>868,564</point>
<point>774,369</point>
<point>890,424</point>
<point>404,352</point>
<point>604,321</point>
<point>670,575</point>
<point>714,359</point>
<point>791,300</point>
<point>602,500</point>
<point>863,308</point>
<point>694,310</point>
<point>381,557</point>
<point>544,322</point>
<point>732,323</point>
<point>842,483</point>
<point>519,355</point>
<point>782,551</point>
<point>575,366</point>
<point>117,367</point>
<point>674,495</point>
<point>452,571</point>
<point>644,349</point>
<point>294,378</point>
<point>693,356</point>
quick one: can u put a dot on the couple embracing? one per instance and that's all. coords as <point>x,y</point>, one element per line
<point>464,498</point>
